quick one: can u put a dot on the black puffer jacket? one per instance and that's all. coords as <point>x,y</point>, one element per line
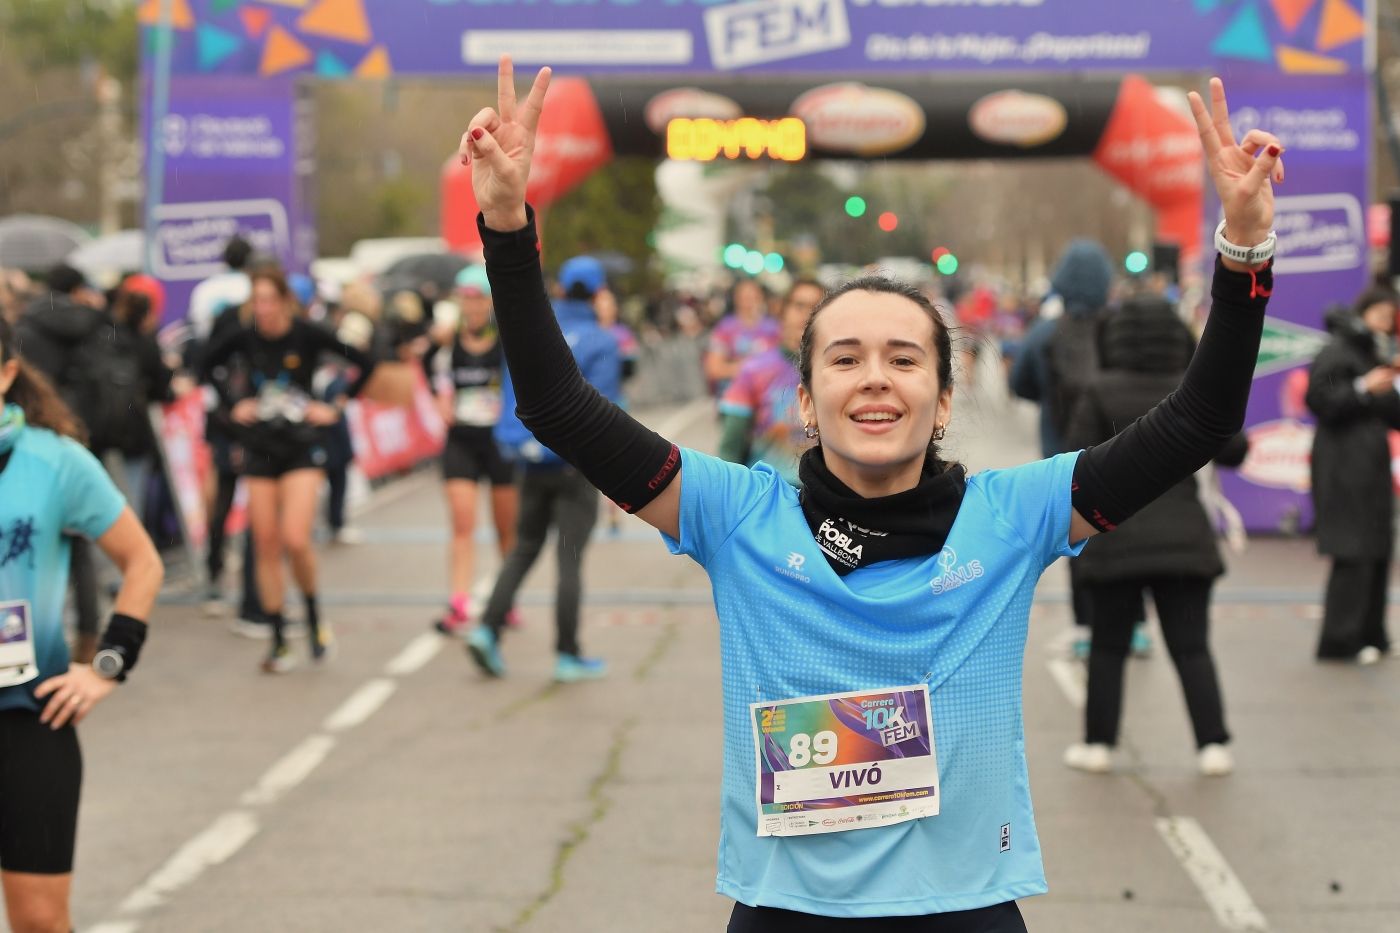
<point>1144,349</point>
<point>1351,480</point>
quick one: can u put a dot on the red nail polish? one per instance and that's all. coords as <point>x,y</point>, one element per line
<point>1273,150</point>
<point>478,133</point>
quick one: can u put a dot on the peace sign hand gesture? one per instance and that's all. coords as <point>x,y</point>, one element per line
<point>498,144</point>
<point>1244,173</point>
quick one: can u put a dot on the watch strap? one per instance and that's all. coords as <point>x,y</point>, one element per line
<point>1249,255</point>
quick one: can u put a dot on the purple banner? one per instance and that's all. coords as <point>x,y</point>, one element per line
<point>232,166</point>
<point>334,38</point>
<point>1320,209</point>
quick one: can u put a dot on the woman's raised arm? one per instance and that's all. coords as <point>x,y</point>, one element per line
<point>626,461</point>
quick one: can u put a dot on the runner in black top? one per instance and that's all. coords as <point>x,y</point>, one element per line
<point>466,378</point>
<point>282,424</point>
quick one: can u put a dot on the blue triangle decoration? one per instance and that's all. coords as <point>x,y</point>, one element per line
<point>328,66</point>
<point>1206,6</point>
<point>1245,38</point>
<point>214,45</point>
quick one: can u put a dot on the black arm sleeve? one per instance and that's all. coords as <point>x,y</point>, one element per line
<point>628,462</point>
<point>217,354</point>
<point>1185,430</point>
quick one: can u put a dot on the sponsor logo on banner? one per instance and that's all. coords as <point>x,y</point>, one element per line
<point>689,102</point>
<point>749,33</point>
<point>190,237</point>
<point>1017,118</point>
<point>1319,233</point>
<point>213,136</point>
<point>854,118</point>
<point>1280,455</point>
<point>1306,130</point>
<point>1285,345</point>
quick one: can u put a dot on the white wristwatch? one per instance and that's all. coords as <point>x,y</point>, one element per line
<point>1249,255</point>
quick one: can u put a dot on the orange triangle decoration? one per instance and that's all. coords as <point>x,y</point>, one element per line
<point>1291,12</point>
<point>337,19</point>
<point>375,64</point>
<point>1340,25</point>
<point>282,53</point>
<point>180,15</point>
<point>255,20</point>
<point>1298,62</point>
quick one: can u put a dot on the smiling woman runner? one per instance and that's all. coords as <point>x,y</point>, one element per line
<point>51,488</point>
<point>872,627</point>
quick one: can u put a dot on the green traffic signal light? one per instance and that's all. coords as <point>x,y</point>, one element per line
<point>947,263</point>
<point>773,263</point>
<point>735,254</point>
<point>1135,262</point>
<point>855,206</point>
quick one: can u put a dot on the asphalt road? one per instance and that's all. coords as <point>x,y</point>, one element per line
<point>395,789</point>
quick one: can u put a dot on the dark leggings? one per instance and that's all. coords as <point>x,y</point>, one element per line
<point>1354,611</point>
<point>1183,608</point>
<point>563,499</point>
<point>223,503</point>
<point>1000,918</point>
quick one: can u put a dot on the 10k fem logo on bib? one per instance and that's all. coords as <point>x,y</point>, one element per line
<point>844,761</point>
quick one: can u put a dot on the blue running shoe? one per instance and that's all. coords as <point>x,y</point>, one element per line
<point>482,646</point>
<point>1142,642</point>
<point>570,669</point>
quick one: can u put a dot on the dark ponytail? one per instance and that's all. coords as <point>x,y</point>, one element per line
<point>36,396</point>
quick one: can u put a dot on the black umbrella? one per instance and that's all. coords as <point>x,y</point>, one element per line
<point>410,272</point>
<point>35,243</point>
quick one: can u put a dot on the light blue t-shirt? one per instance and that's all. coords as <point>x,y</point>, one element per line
<point>791,627</point>
<point>51,487</point>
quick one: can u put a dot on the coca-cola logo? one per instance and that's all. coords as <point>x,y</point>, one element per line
<point>689,102</point>
<point>1280,455</point>
<point>854,118</point>
<point>1016,118</point>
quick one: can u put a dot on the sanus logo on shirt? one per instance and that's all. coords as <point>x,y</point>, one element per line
<point>954,575</point>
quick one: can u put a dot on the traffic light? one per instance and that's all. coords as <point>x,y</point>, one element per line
<point>753,262</point>
<point>888,221</point>
<point>735,254</point>
<point>855,206</point>
<point>946,263</point>
<point>1135,262</point>
<point>773,263</point>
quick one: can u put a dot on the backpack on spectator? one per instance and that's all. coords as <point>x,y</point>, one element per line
<point>102,382</point>
<point>1072,355</point>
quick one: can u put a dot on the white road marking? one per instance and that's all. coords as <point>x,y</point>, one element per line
<point>113,928</point>
<point>1231,903</point>
<point>225,836</point>
<point>291,770</point>
<point>1072,680</point>
<point>361,705</point>
<point>415,655</point>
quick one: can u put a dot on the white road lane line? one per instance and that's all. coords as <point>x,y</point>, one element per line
<point>1230,902</point>
<point>291,770</point>
<point>232,830</point>
<point>216,844</point>
<point>415,655</point>
<point>1072,680</point>
<point>361,705</point>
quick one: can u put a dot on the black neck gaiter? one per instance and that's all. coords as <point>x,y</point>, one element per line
<point>854,531</point>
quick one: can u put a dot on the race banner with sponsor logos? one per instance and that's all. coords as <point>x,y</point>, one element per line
<point>377,38</point>
<point>1323,260</point>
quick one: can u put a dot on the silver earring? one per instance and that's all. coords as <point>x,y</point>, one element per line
<point>811,432</point>
<point>938,432</point>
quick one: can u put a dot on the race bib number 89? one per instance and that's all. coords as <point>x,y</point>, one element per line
<point>844,761</point>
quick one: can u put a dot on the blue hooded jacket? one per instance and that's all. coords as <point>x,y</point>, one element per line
<point>1081,279</point>
<point>596,352</point>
